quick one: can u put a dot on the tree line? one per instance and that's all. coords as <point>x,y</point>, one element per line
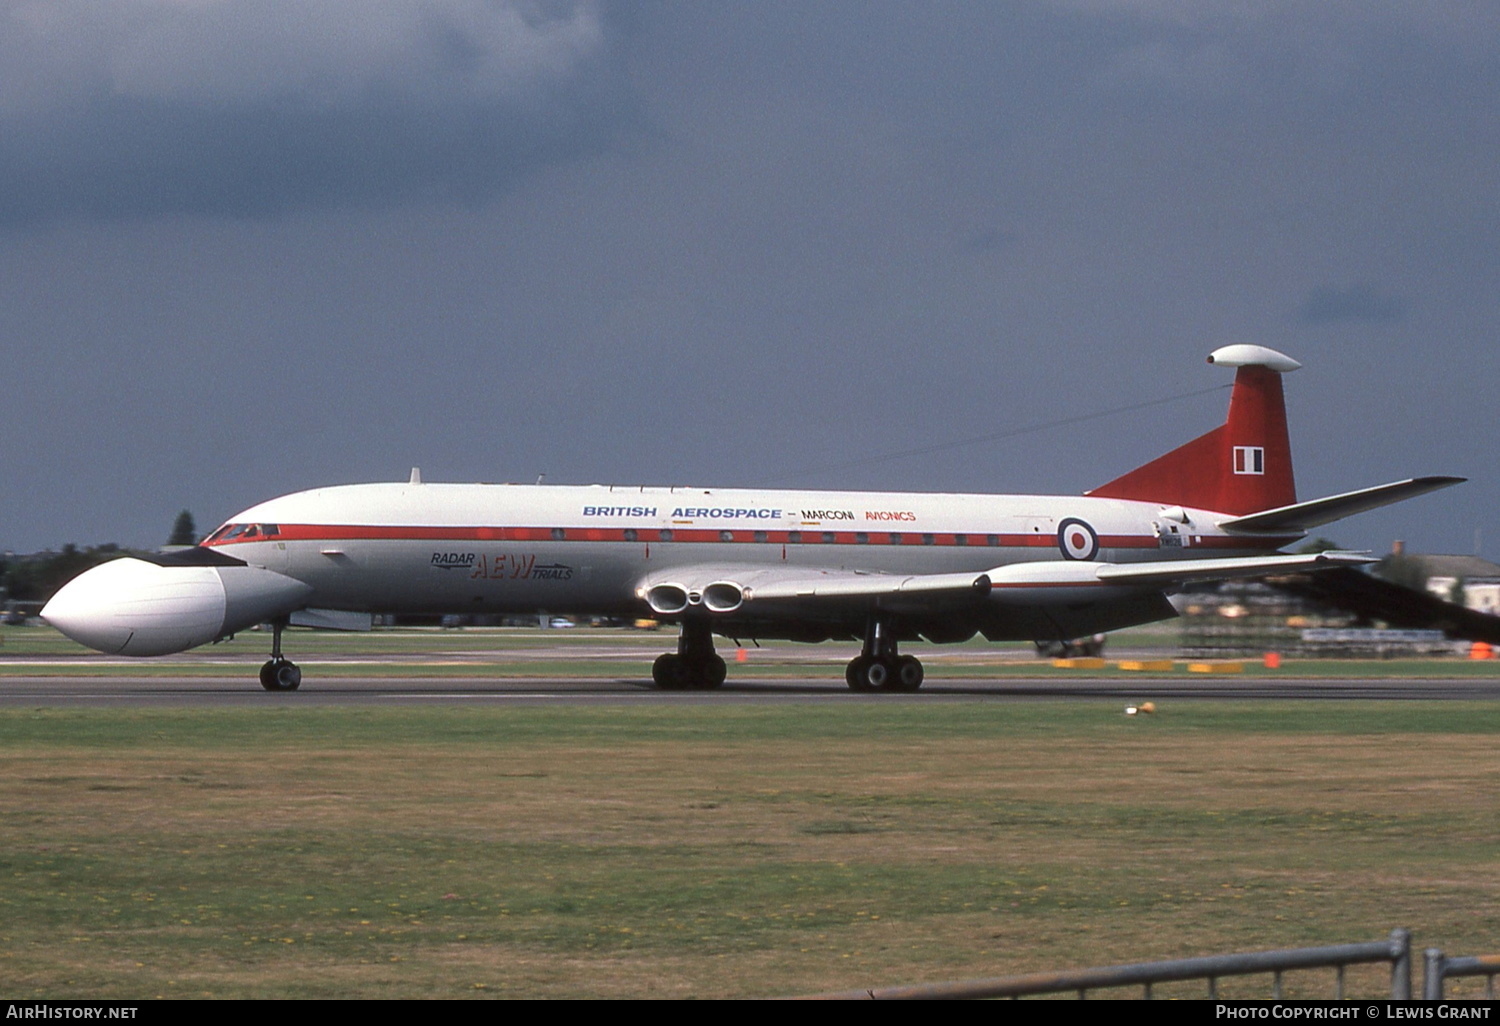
<point>36,577</point>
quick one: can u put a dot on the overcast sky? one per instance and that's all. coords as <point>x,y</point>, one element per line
<point>254,246</point>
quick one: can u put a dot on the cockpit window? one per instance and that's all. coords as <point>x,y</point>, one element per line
<point>242,532</point>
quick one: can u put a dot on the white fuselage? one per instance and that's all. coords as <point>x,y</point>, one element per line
<point>454,548</point>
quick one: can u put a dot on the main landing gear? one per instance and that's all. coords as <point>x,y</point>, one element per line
<point>695,665</point>
<point>279,673</point>
<point>879,667</point>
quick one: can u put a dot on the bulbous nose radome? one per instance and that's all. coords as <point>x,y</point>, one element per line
<point>134,607</point>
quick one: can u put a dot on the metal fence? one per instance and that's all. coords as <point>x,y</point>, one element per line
<point>1395,950</point>
<point>1440,967</point>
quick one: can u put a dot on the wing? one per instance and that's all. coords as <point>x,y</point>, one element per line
<point>1303,515</point>
<point>726,589</point>
<point>1376,599</point>
<point>1016,602</point>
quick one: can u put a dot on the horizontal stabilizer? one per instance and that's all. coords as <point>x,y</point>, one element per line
<point>1303,515</point>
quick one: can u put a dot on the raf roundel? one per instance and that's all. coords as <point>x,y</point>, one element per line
<point>1077,539</point>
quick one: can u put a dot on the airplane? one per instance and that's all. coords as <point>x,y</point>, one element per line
<point>883,568</point>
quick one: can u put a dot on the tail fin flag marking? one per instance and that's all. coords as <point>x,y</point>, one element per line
<point>1242,466</point>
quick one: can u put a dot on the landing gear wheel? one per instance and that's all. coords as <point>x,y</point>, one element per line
<point>888,674</point>
<point>908,676</point>
<point>280,675</point>
<point>854,674</point>
<point>668,673</point>
<point>715,671</point>
<point>701,674</point>
<point>866,673</point>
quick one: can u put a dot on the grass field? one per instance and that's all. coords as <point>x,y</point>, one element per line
<point>730,850</point>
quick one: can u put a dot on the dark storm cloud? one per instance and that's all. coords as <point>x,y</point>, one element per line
<point>990,240</point>
<point>1333,304</point>
<point>819,231</point>
<point>146,107</point>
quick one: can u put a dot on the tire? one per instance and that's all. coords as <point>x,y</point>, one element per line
<point>667,672</point>
<point>715,673</point>
<point>908,676</point>
<point>289,676</point>
<point>280,675</point>
<point>854,674</point>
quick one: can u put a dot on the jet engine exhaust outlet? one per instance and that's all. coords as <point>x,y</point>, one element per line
<point>667,599</point>
<point>723,597</point>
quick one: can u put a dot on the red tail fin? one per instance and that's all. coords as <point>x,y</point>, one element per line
<point>1242,466</point>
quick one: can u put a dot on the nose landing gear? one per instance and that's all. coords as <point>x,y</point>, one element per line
<point>279,673</point>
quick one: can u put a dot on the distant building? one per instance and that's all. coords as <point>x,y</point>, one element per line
<point>1469,581</point>
<point>1464,580</point>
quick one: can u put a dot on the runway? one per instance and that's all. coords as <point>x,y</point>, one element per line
<point>205,691</point>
